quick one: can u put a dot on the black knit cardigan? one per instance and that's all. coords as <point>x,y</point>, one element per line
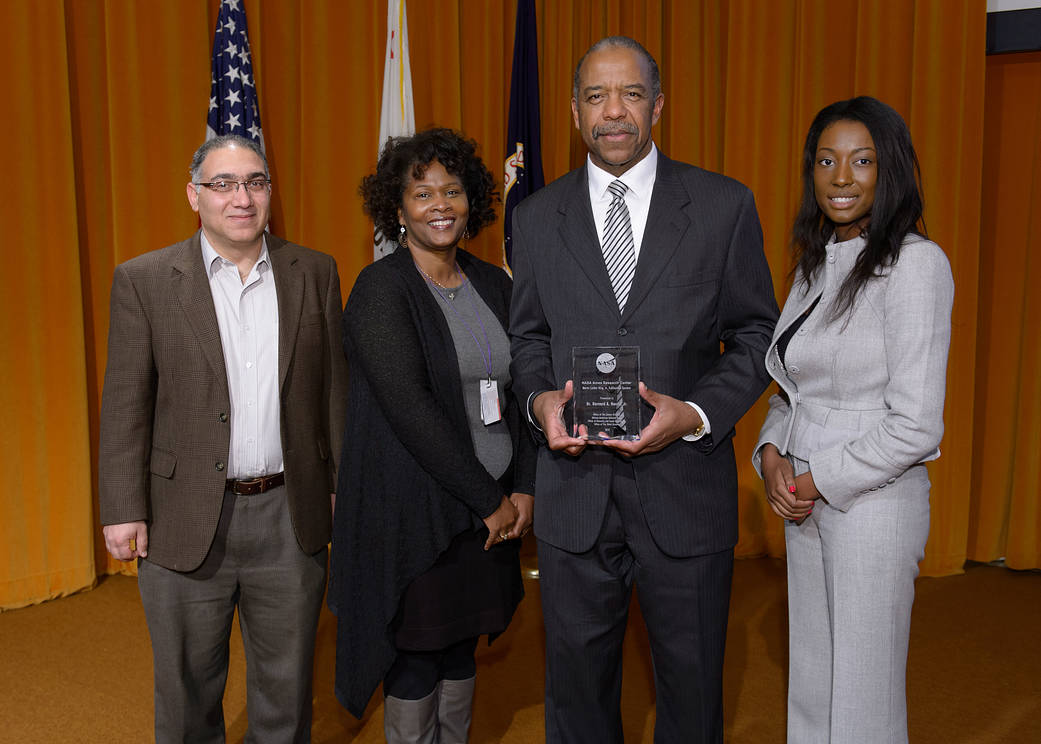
<point>409,480</point>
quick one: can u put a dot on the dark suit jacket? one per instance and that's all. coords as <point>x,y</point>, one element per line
<point>165,412</point>
<point>701,281</point>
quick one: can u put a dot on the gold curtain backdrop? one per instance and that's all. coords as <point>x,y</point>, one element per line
<point>1005,511</point>
<point>108,100</point>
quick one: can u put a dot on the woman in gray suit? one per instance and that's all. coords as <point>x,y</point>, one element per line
<point>860,355</point>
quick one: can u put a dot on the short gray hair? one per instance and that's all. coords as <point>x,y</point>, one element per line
<point>219,143</point>
<point>626,43</point>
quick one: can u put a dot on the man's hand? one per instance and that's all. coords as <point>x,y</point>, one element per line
<point>126,541</point>
<point>548,409</point>
<point>672,419</point>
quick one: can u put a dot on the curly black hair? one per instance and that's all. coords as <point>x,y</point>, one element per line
<point>405,158</point>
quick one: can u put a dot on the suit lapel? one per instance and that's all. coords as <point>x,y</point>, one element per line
<point>193,292</point>
<point>578,234</point>
<point>289,287</point>
<point>667,222</point>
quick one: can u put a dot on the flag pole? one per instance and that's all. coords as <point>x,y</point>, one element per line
<point>397,118</point>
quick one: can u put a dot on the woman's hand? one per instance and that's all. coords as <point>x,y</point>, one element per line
<point>525,504</point>
<point>806,489</point>
<point>783,491</point>
<point>500,522</point>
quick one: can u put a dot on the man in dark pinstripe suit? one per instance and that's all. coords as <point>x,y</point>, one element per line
<point>659,513</point>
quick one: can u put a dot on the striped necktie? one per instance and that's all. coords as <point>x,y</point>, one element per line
<point>617,245</point>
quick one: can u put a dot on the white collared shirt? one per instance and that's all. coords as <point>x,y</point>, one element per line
<point>247,316</point>
<point>640,181</point>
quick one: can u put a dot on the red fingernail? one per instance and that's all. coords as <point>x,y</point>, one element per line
<point>791,489</point>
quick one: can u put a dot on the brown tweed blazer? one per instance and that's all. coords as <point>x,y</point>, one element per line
<point>165,411</point>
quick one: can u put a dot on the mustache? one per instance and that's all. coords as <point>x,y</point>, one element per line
<point>621,127</point>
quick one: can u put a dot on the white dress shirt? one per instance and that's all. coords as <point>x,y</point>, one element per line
<point>640,181</point>
<point>247,316</point>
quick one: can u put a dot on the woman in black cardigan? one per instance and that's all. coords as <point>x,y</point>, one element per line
<point>437,473</point>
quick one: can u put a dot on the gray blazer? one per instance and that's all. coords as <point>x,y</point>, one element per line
<point>867,403</point>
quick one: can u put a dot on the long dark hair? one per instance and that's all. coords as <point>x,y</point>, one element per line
<point>897,209</point>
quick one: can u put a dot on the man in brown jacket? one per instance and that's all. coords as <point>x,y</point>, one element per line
<point>221,421</point>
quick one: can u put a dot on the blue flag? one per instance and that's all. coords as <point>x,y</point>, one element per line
<point>233,92</point>
<point>523,166</point>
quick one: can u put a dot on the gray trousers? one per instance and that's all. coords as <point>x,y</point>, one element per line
<point>255,564</point>
<point>850,590</point>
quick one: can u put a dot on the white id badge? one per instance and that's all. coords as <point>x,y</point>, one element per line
<point>490,412</point>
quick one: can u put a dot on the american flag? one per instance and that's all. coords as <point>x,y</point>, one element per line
<point>233,92</point>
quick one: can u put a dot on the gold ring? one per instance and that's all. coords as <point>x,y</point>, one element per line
<point>503,536</point>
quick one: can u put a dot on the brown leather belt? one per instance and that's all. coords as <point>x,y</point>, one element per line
<point>252,486</point>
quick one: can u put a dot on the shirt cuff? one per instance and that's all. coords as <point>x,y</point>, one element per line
<point>704,420</point>
<point>531,415</point>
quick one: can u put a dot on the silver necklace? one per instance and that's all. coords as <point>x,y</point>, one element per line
<point>450,291</point>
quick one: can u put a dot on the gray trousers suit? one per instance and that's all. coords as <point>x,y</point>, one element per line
<point>863,412</point>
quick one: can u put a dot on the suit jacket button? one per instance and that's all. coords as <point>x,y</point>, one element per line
<point>222,417</point>
<point>219,466</point>
<point>794,370</point>
<point>622,331</point>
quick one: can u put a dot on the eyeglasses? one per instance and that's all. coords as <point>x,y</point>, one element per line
<point>223,186</point>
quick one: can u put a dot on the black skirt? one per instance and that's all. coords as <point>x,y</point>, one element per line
<point>468,592</point>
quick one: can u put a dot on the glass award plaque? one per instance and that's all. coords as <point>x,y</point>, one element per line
<point>606,400</point>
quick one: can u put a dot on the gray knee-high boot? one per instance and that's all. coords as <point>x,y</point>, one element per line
<point>453,712</point>
<point>411,721</point>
